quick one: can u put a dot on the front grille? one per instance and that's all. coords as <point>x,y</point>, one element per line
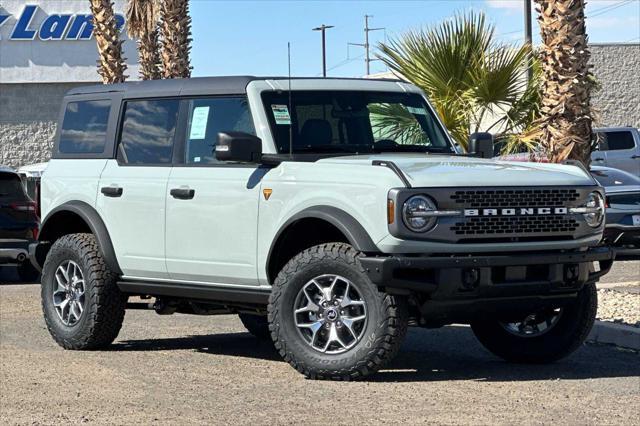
<point>492,225</point>
<point>515,198</point>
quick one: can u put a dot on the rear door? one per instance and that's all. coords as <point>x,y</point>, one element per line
<point>133,187</point>
<point>212,206</point>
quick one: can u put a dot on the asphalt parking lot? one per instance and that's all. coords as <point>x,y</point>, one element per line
<point>185,369</point>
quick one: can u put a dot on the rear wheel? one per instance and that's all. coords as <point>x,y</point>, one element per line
<point>328,320</point>
<point>544,336</point>
<point>83,308</point>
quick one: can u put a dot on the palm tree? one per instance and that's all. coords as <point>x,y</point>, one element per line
<point>142,24</point>
<point>111,64</point>
<point>474,82</point>
<point>565,126</point>
<point>175,35</point>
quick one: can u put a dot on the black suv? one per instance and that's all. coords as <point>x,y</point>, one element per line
<point>18,224</point>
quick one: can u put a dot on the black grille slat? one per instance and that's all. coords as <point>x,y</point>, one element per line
<point>501,225</point>
<point>515,198</point>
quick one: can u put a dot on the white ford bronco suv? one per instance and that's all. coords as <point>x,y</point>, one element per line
<point>329,214</point>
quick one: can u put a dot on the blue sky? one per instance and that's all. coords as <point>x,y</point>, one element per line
<point>250,37</point>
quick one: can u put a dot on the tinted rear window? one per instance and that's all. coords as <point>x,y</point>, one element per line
<point>147,131</point>
<point>84,128</point>
<point>11,186</point>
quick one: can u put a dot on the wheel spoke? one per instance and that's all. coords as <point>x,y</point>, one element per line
<point>68,293</point>
<point>347,301</point>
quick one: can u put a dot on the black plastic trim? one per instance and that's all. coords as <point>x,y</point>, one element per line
<point>196,291</point>
<point>96,224</point>
<point>382,270</point>
<point>350,227</point>
<point>393,166</point>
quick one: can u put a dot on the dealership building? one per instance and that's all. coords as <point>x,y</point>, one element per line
<point>47,48</point>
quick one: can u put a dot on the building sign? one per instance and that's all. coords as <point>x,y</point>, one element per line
<point>51,41</point>
<point>53,27</point>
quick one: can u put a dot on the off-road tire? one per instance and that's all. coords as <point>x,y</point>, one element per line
<point>386,325</point>
<point>567,335</point>
<point>256,325</point>
<point>27,273</point>
<point>104,304</point>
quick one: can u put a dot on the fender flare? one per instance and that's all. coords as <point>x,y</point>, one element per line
<point>92,218</point>
<point>343,221</point>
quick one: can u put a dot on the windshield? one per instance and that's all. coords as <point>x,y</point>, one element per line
<point>353,122</point>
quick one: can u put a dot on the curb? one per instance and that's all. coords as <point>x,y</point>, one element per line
<point>624,336</point>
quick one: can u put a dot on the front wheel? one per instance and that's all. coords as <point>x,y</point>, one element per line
<point>328,320</point>
<point>544,336</point>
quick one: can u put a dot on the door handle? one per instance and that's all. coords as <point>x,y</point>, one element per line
<point>635,156</point>
<point>598,159</point>
<point>182,193</point>
<point>111,191</point>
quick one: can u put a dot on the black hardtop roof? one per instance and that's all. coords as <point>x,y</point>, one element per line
<point>231,85</point>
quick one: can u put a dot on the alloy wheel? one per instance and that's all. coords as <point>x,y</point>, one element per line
<point>330,314</point>
<point>534,325</point>
<point>68,294</point>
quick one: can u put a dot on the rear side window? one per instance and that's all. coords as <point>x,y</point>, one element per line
<point>208,117</point>
<point>84,127</point>
<point>148,130</point>
<point>11,186</point>
<point>614,141</point>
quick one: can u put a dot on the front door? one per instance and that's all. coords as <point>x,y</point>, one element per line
<point>212,207</point>
<point>133,188</point>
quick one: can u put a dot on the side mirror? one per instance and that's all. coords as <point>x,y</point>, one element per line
<point>481,144</point>
<point>239,147</point>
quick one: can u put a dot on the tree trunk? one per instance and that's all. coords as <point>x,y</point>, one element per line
<point>175,33</point>
<point>149,54</point>
<point>111,64</point>
<point>565,131</point>
<point>142,25</point>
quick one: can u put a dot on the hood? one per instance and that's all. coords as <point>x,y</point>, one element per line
<point>451,171</point>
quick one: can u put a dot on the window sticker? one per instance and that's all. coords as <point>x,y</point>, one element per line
<point>417,111</point>
<point>281,114</point>
<point>199,120</point>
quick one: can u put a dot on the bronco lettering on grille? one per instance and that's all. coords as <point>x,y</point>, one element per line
<point>517,212</point>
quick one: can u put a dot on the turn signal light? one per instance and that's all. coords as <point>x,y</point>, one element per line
<point>391,212</point>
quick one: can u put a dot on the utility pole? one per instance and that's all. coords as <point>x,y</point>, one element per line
<point>528,36</point>
<point>367,55</point>
<point>323,28</point>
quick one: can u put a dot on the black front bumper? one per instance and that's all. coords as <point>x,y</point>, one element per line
<point>490,275</point>
<point>457,288</point>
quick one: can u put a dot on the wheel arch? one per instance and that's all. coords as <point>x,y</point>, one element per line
<point>76,217</point>
<point>312,226</point>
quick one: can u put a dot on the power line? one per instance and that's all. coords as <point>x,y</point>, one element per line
<point>607,9</point>
<point>343,62</point>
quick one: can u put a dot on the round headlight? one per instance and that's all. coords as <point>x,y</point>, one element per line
<point>415,213</point>
<point>595,204</point>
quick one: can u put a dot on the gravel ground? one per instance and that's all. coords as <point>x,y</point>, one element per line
<point>206,370</point>
<point>619,306</point>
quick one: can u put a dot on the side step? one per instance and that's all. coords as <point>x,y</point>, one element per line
<point>196,292</point>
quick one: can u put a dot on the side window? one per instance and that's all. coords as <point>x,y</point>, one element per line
<point>148,128</point>
<point>84,127</point>
<point>619,140</point>
<point>208,117</point>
